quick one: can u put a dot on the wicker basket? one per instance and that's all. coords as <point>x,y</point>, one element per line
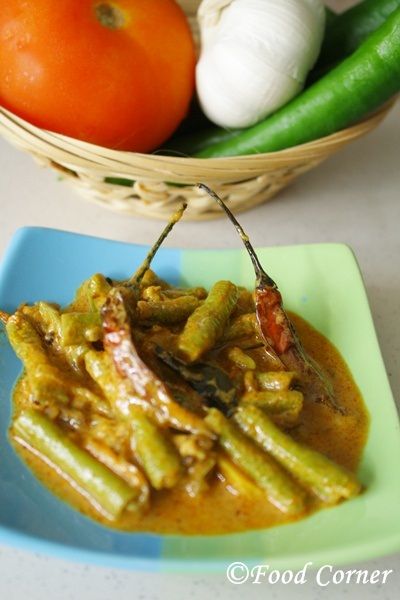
<point>243,181</point>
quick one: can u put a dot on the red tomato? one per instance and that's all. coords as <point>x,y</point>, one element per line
<point>118,73</point>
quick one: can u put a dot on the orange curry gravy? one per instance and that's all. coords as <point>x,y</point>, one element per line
<point>219,509</point>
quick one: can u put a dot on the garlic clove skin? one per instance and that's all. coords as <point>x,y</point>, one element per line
<point>255,56</point>
<point>231,97</point>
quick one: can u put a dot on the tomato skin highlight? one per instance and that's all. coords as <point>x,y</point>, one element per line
<point>126,87</point>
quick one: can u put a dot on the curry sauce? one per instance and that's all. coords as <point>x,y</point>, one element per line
<point>221,509</point>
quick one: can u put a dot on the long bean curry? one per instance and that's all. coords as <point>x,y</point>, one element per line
<point>158,408</point>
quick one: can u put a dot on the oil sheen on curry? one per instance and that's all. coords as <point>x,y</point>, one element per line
<point>164,409</point>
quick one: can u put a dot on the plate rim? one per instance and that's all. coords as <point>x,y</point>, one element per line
<point>371,548</point>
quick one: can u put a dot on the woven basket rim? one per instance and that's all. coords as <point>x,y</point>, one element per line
<point>96,153</point>
<point>157,184</point>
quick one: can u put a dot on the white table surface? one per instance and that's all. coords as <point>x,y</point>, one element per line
<point>352,198</point>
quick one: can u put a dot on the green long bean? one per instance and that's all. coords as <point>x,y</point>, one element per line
<point>91,294</point>
<point>80,328</point>
<point>198,292</point>
<point>241,359</point>
<point>274,402</point>
<point>275,380</point>
<point>51,322</point>
<point>122,396</point>
<point>157,454</point>
<point>280,489</point>
<point>167,312</point>
<point>317,473</point>
<point>235,477</point>
<point>26,341</point>
<point>117,390</point>
<point>242,326</point>
<point>45,379</point>
<point>108,493</point>
<point>127,471</point>
<point>206,325</point>
<point>156,293</point>
<point>284,407</point>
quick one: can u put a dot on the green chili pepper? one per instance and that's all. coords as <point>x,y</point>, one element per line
<point>350,91</point>
<point>347,31</point>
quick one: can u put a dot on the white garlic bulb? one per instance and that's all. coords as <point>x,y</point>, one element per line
<point>255,56</point>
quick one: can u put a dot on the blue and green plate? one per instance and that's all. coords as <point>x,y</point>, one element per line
<point>322,283</point>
